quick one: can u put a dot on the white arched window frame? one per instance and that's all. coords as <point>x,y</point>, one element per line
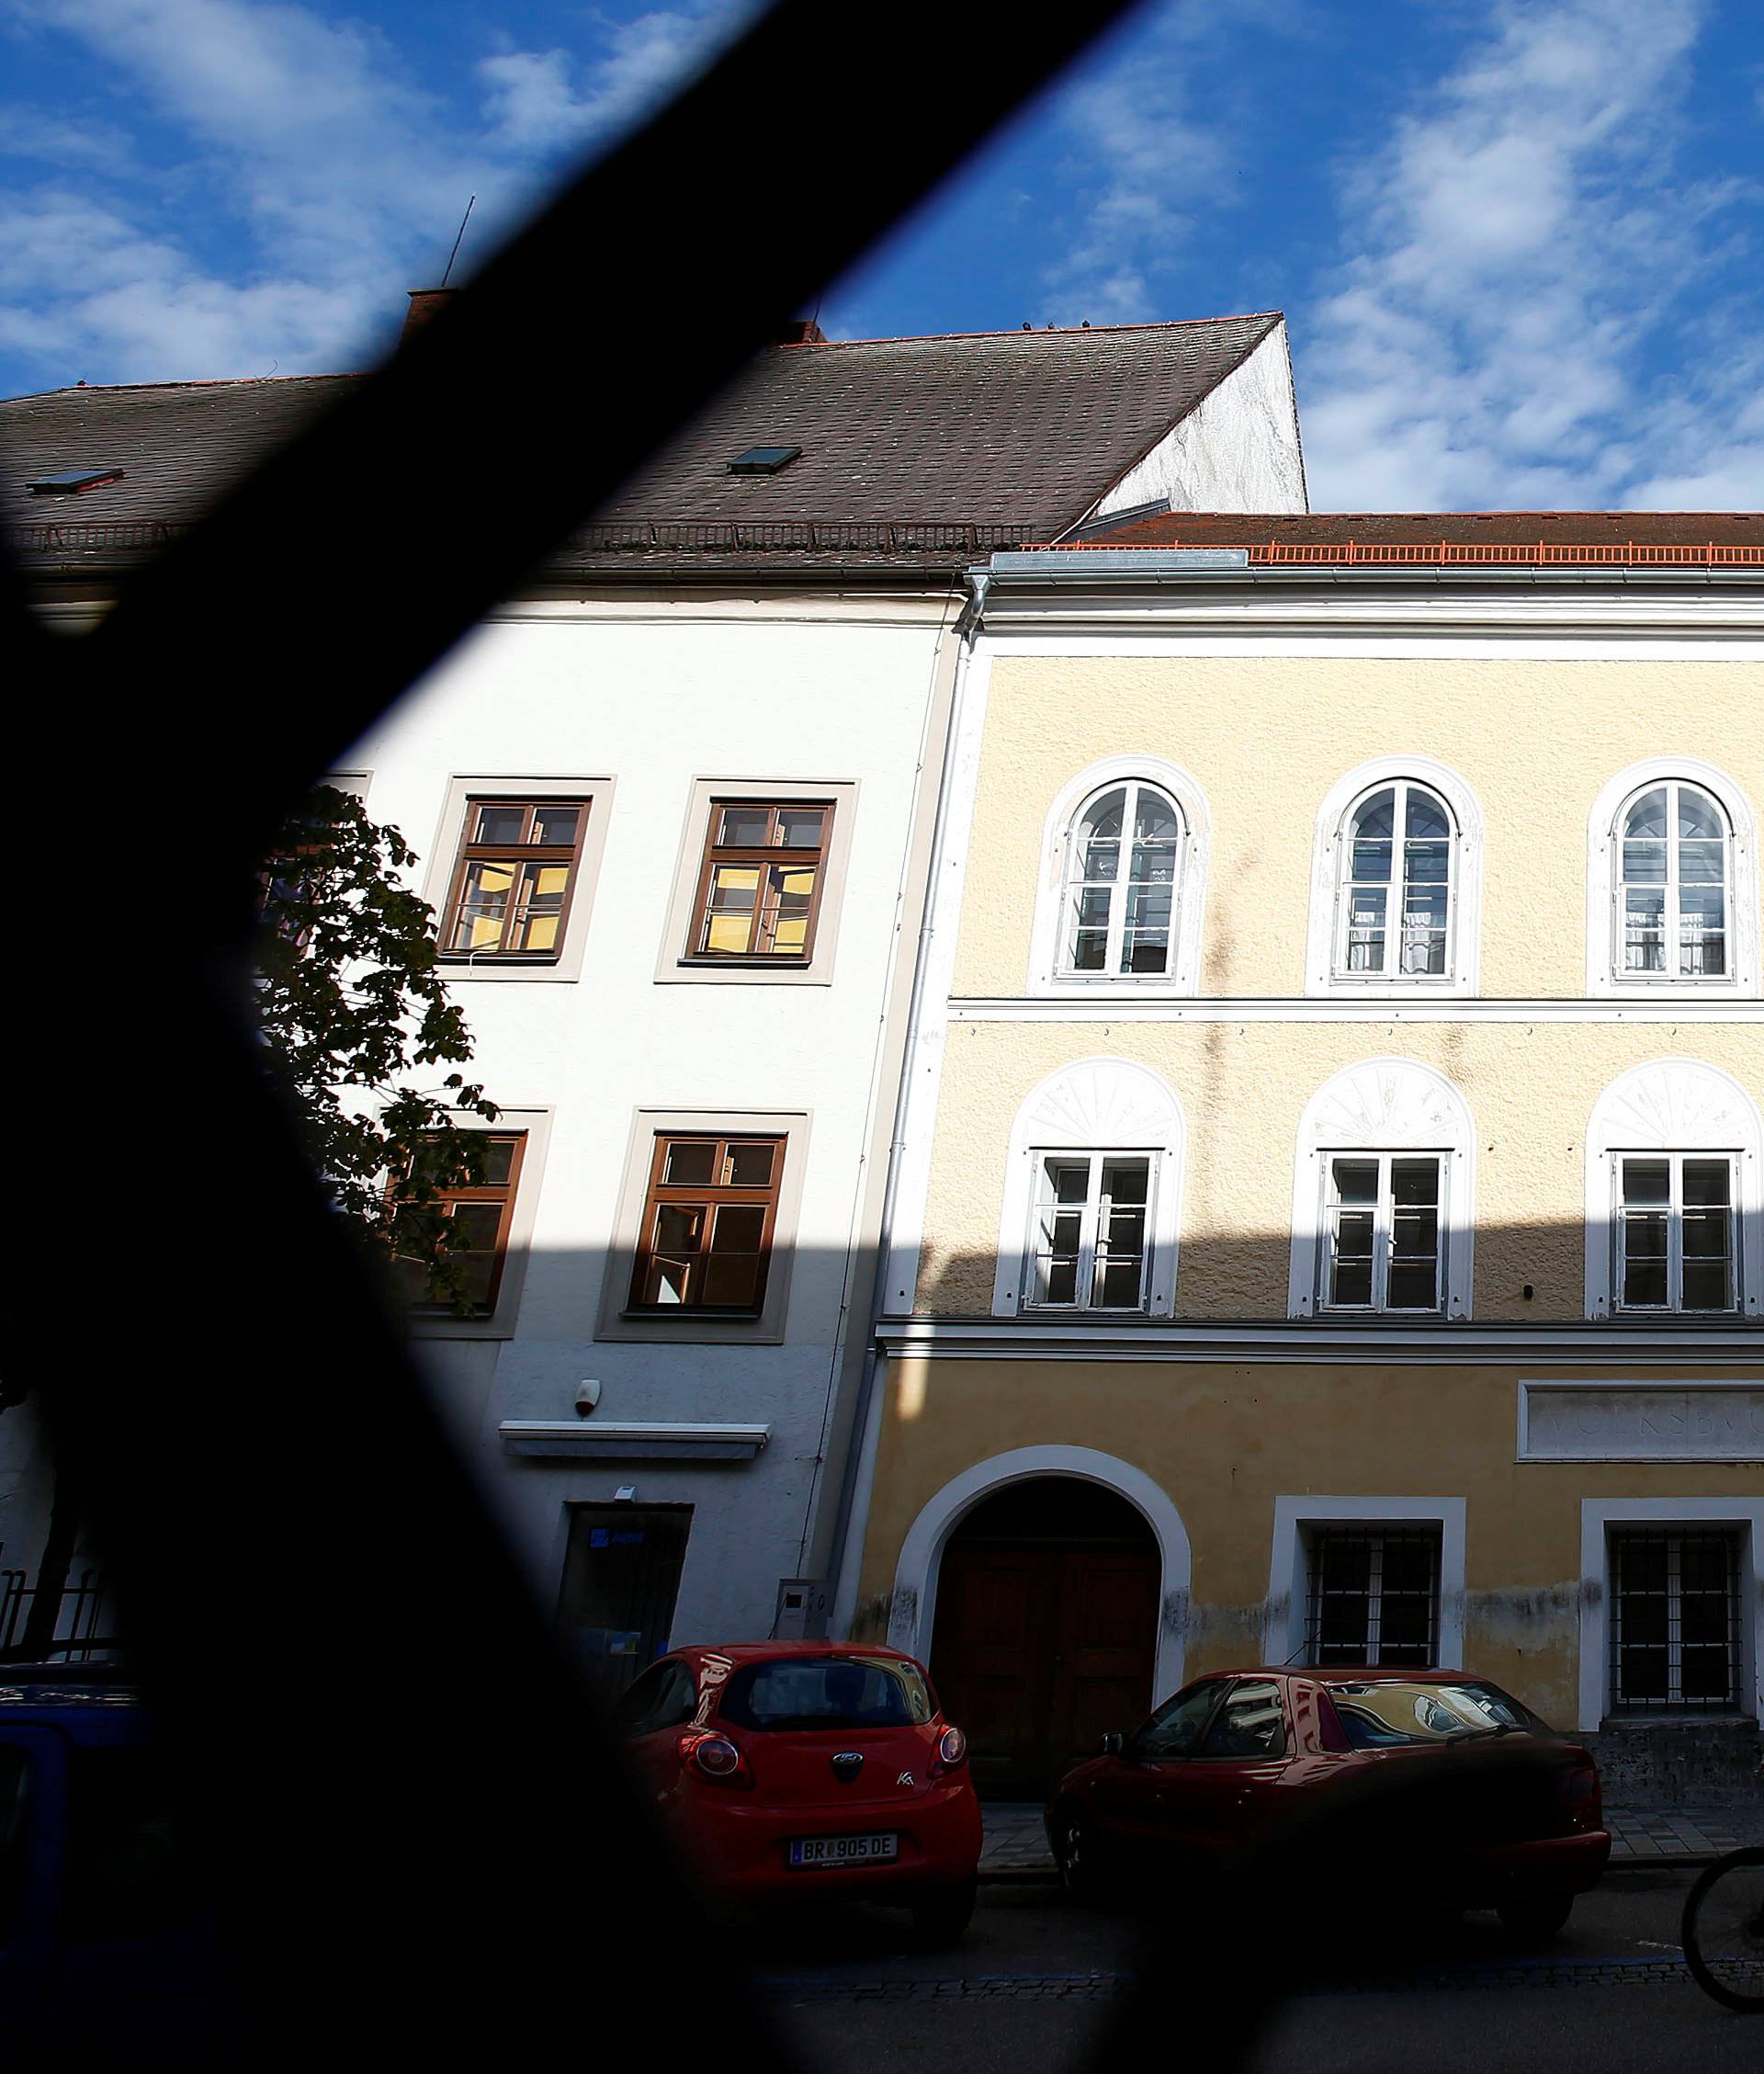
<point>1395,1107</point>
<point>1675,1106</point>
<point>1331,861</point>
<point>1050,971</point>
<point>1605,973</point>
<point>1105,1107</point>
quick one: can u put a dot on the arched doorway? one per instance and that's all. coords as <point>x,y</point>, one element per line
<point>1046,1628</point>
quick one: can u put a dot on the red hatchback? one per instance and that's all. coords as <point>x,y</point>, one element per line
<point>1422,1788</point>
<point>786,1768</point>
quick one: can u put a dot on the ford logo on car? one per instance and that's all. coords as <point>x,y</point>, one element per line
<point>847,1764</point>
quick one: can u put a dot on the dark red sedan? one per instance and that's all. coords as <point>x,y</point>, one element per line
<point>783,1769</point>
<point>1425,1788</point>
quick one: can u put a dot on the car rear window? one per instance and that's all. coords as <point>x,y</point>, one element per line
<point>846,1692</point>
<point>1377,1714</point>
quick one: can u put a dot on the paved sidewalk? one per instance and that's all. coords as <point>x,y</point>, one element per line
<point>1016,1848</point>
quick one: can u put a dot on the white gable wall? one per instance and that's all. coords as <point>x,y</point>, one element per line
<point>1237,450</point>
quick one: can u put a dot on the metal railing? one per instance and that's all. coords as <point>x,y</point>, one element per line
<point>79,1637</point>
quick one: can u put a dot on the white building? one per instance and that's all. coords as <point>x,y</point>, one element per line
<point>675,805</point>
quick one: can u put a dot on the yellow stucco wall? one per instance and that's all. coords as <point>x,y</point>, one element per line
<point>1536,740</point>
<point>1225,1440</point>
<point>1244,1087</point>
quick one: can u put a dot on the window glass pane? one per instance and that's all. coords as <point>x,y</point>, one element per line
<point>556,824</point>
<point>1414,1280</point>
<point>1356,1181</point>
<point>1146,952</point>
<point>677,1226</point>
<point>1648,816</point>
<point>1352,1278</point>
<point>1644,864</point>
<point>1702,863</point>
<point>1426,864</point>
<point>1705,1275</point>
<point>739,1228</point>
<point>1248,1727</point>
<point>1698,814</point>
<point>1367,930</point>
<point>1103,823</point>
<point>499,824</point>
<point>732,1279</point>
<point>1645,930</point>
<point>799,827</point>
<point>1175,1731</point>
<point>1125,1180</point>
<point>734,888</point>
<point>1374,819</point>
<point>1703,914</point>
<point>1154,819</point>
<point>483,901</point>
<point>666,1281</point>
<point>750,1166</point>
<point>1706,1182</point>
<point>1068,1180</point>
<point>1645,1262</point>
<point>1118,1283</point>
<point>1060,1279</point>
<point>1647,1181</point>
<point>1427,817</point>
<point>690,1164</point>
<point>745,826</point>
<point>791,893</point>
<point>498,1161</point>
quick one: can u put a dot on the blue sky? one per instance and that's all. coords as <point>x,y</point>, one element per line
<point>1519,246</point>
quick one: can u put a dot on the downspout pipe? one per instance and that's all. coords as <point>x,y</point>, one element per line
<point>857,1483</point>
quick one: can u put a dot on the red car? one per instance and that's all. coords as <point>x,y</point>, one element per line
<point>786,1768</point>
<point>1423,1788</point>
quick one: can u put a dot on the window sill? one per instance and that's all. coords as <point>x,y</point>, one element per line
<point>504,965</point>
<point>691,1314</point>
<point>750,971</point>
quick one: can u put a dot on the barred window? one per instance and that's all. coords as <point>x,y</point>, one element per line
<point>1675,1619</point>
<point>1373,1595</point>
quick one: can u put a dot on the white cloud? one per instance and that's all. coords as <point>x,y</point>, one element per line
<point>1524,236</point>
<point>343,179</point>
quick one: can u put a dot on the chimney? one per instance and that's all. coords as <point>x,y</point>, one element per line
<point>425,304</point>
<point>800,331</point>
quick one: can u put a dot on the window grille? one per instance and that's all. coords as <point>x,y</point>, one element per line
<point>1675,1619</point>
<point>1373,1595</point>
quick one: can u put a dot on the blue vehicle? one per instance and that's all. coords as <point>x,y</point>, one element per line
<point>104,1933</point>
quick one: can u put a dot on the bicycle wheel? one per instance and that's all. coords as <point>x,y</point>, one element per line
<point>1722,1930</point>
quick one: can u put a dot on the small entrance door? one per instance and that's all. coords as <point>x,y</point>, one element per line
<point>621,1576</point>
<point>1046,1628</point>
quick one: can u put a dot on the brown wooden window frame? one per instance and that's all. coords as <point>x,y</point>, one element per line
<point>522,855</point>
<point>761,856</point>
<point>709,1198</point>
<point>499,1192</point>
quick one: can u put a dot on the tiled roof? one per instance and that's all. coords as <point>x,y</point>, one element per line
<point>1382,532</point>
<point>985,439</point>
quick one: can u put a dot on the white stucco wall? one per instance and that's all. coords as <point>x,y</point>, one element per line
<point>1237,450</point>
<point>716,691</point>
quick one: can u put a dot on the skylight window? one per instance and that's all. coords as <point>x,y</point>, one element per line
<point>764,461</point>
<point>71,483</point>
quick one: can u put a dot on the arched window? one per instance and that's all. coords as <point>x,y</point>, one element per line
<point>1671,883</point>
<point>1092,1194</point>
<point>1673,873</point>
<point>1396,882</point>
<point>1382,1184</point>
<point>1394,908</point>
<point>1123,879</point>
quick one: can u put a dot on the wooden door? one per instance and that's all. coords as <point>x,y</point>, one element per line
<point>1039,1650</point>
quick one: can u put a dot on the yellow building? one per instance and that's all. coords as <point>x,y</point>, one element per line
<point>1328,1216</point>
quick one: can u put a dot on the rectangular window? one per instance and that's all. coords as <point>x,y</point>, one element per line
<point>1091,1232</point>
<point>1674,1231</point>
<point>1675,1618</point>
<point>708,1216</point>
<point>1381,1218</point>
<point>517,864</point>
<point>760,886</point>
<point>483,1212</point>
<point>1373,1595</point>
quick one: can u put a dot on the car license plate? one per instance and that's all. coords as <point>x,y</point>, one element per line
<point>873,1850</point>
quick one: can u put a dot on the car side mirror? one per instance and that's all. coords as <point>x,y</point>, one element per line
<point>1112,1745</point>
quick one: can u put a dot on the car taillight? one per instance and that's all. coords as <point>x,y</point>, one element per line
<point>1586,1803</point>
<point>951,1750</point>
<point>716,1758</point>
